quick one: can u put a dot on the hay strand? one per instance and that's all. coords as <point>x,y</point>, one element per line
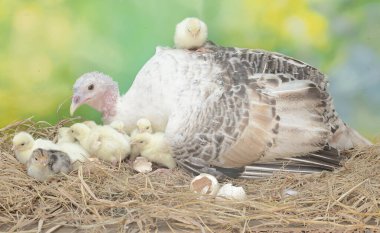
<point>99,197</point>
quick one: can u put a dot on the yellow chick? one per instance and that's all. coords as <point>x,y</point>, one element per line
<point>154,147</point>
<point>191,33</point>
<point>70,146</point>
<point>45,163</point>
<point>143,126</point>
<point>103,142</point>
<point>64,135</point>
<point>90,124</point>
<point>24,145</point>
<point>118,125</point>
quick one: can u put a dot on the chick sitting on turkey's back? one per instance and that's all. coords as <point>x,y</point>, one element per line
<point>191,33</point>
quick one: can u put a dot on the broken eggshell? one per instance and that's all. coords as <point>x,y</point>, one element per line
<point>142,165</point>
<point>205,184</point>
<point>228,191</point>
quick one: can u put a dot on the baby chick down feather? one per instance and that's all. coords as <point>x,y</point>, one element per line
<point>103,142</point>
<point>143,126</point>
<point>24,145</point>
<point>65,135</point>
<point>154,147</point>
<point>45,163</point>
<point>67,144</point>
<point>191,33</point>
<point>119,127</point>
<point>90,124</point>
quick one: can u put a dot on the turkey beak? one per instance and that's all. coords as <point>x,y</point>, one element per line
<point>75,103</point>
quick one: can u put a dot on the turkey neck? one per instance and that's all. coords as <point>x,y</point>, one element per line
<point>108,105</point>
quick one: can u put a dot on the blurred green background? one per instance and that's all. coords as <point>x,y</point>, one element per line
<point>45,45</point>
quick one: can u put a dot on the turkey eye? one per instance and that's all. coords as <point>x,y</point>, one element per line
<point>91,87</point>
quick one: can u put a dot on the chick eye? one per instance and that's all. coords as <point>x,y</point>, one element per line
<point>141,141</point>
<point>147,127</point>
<point>91,87</point>
<point>22,144</point>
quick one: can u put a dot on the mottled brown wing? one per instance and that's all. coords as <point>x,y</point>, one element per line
<point>230,119</point>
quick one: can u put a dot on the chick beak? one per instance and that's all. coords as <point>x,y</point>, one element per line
<point>13,148</point>
<point>75,103</point>
<point>195,33</point>
<point>132,142</point>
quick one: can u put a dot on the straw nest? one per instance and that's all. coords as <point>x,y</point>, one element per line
<point>100,198</point>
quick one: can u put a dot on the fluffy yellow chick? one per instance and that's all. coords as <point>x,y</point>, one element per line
<point>118,125</point>
<point>65,135</point>
<point>45,163</point>
<point>154,147</point>
<point>70,146</point>
<point>103,142</point>
<point>90,124</point>
<point>143,126</point>
<point>24,145</point>
<point>191,33</point>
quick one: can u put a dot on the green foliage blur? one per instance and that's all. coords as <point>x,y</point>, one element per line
<point>45,45</point>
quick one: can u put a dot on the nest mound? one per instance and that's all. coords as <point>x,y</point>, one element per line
<point>101,198</point>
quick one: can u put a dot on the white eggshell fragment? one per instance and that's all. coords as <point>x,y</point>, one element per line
<point>205,184</point>
<point>228,191</point>
<point>290,192</point>
<point>142,165</point>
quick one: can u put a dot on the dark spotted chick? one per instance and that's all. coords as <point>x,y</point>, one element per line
<point>43,164</point>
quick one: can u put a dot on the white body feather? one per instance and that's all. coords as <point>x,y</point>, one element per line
<point>231,107</point>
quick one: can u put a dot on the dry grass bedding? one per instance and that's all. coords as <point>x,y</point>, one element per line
<point>99,197</point>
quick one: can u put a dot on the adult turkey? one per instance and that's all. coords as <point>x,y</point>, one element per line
<point>230,111</point>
